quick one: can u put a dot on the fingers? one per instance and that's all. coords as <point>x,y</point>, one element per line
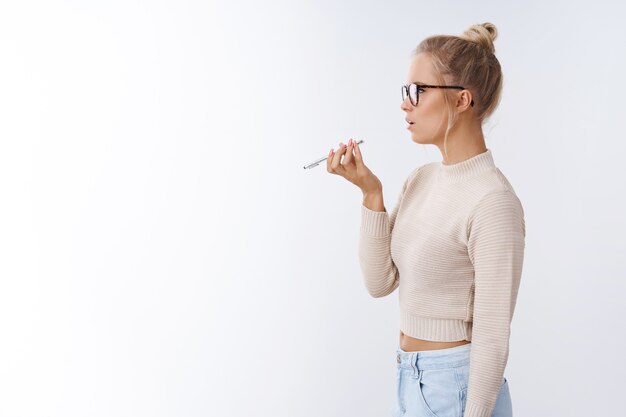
<point>344,157</point>
<point>336,164</point>
<point>358,158</point>
<point>347,159</point>
<point>333,163</point>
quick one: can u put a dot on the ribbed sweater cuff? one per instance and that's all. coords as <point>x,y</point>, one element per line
<point>374,223</point>
<point>475,410</point>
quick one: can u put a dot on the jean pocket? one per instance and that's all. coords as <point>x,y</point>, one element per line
<point>438,392</point>
<point>463,394</point>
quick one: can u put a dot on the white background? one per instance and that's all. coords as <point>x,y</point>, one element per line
<point>163,253</point>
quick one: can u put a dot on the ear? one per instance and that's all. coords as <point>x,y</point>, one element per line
<point>464,100</point>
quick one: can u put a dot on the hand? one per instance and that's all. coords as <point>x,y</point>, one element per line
<point>352,167</point>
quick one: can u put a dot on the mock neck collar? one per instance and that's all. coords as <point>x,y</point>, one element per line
<point>467,168</point>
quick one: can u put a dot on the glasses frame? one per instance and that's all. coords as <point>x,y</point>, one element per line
<point>405,89</point>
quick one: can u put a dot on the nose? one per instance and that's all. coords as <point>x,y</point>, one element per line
<point>406,105</point>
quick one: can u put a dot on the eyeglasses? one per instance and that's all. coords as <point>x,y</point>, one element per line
<point>412,90</point>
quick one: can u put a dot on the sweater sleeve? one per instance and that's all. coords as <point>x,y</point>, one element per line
<point>496,243</point>
<point>380,274</point>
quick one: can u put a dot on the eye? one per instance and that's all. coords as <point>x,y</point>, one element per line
<point>421,90</point>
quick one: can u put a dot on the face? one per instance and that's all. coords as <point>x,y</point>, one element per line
<point>429,117</point>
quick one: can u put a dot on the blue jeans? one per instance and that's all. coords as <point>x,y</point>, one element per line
<point>433,383</point>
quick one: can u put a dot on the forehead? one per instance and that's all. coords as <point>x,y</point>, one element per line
<point>420,70</point>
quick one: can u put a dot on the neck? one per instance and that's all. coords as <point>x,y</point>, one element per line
<point>466,169</point>
<point>463,142</point>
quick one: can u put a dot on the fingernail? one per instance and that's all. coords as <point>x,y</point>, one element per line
<point>330,153</point>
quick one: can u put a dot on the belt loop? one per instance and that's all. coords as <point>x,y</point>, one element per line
<point>416,371</point>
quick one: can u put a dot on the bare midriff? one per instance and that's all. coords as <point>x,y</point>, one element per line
<point>410,344</point>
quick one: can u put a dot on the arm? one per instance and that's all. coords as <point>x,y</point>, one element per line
<point>496,248</point>
<point>379,272</point>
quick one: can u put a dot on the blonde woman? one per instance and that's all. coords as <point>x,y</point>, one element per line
<point>453,243</point>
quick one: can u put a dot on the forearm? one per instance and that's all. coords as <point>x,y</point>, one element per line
<point>374,200</point>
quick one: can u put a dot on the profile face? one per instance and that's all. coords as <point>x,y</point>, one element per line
<point>429,117</point>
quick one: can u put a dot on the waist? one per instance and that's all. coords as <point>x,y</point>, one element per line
<point>434,359</point>
<point>411,344</point>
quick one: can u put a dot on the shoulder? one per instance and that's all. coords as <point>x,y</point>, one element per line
<point>500,210</point>
<point>500,192</point>
<point>496,199</point>
<point>495,202</point>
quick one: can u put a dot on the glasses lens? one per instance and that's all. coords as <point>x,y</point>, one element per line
<point>413,94</point>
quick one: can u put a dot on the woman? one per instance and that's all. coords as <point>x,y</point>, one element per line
<point>454,242</point>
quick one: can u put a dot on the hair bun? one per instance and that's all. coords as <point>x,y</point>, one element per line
<point>483,34</point>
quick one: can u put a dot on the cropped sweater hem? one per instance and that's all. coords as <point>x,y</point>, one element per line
<point>440,330</point>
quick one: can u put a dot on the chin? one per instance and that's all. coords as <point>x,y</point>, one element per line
<point>421,140</point>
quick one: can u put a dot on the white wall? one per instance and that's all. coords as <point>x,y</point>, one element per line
<point>163,253</point>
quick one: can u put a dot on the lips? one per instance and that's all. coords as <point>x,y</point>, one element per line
<point>408,121</point>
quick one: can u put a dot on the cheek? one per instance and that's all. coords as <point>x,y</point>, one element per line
<point>427,116</point>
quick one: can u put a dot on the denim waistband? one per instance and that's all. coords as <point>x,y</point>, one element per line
<point>434,359</point>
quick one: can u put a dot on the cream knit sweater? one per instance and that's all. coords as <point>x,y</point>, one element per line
<point>454,245</point>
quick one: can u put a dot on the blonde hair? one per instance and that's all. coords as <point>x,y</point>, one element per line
<point>468,60</point>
